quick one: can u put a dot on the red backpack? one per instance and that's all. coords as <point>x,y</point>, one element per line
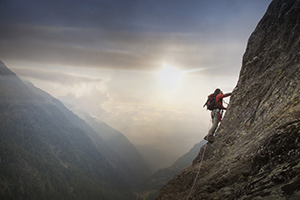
<point>211,103</point>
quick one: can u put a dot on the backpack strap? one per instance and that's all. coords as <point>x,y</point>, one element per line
<point>205,103</point>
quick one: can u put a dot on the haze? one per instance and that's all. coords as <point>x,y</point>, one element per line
<point>143,67</point>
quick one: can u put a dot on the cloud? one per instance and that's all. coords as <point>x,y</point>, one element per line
<point>90,102</point>
<point>69,12</point>
<point>54,76</point>
<point>84,48</point>
<point>66,47</point>
<point>136,35</point>
<point>161,129</point>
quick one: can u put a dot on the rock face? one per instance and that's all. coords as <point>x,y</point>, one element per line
<point>256,153</point>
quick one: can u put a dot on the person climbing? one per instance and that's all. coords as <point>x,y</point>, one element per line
<point>215,104</point>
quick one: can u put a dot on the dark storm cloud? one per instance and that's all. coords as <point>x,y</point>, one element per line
<point>66,12</point>
<point>70,46</point>
<point>131,34</point>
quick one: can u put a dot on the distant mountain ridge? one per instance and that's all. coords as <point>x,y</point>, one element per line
<point>119,143</point>
<point>151,187</point>
<point>44,156</point>
<point>133,171</point>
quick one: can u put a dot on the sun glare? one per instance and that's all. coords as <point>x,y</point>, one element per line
<point>170,77</point>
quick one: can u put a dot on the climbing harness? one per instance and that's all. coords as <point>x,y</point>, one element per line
<point>199,166</point>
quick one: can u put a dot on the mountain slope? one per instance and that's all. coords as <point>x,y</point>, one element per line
<point>118,163</point>
<point>162,176</point>
<point>256,150</point>
<point>43,155</point>
<point>120,144</point>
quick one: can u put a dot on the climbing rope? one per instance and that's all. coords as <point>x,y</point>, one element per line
<point>199,166</point>
<point>225,103</point>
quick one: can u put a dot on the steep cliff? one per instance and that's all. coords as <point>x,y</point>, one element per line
<point>256,152</point>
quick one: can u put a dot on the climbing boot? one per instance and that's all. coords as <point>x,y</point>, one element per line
<point>209,138</point>
<point>205,138</point>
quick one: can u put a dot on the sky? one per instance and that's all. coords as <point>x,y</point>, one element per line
<point>145,67</point>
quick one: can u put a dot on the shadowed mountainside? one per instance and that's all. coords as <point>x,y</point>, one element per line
<point>120,144</point>
<point>256,152</point>
<point>43,155</point>
<point>131,167</point>
<point>151,187</point>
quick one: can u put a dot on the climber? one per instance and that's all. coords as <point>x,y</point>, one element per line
<point>215,104</point>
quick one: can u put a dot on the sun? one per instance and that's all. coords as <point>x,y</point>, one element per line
<point>169,77</point>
